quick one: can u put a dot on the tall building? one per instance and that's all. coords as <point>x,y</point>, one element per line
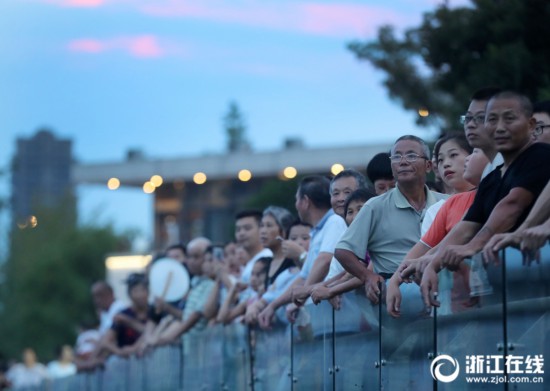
<point>41,176</point>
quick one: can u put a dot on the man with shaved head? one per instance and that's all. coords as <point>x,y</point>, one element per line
<point>193,320</point>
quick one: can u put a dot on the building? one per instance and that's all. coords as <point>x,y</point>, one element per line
<point>41,176</point>
<point>200,195</point>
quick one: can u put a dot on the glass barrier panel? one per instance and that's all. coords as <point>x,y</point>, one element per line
<point>312,347</point>
<point>469,324</point>
<point>406,343</point>
<point>67,383</point>
<point>528,318</point>
<point>162,368</point>
<point>356,343</point>
<point>236,358</point>
<point>201,354</point>
<point>89,381</point>
<point>271,358</point>
<point>115,374</point>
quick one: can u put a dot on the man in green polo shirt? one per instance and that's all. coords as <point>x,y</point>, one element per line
<point>389,225</point>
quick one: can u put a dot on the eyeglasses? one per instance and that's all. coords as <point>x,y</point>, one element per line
<point>540,128</point>
<point>478,119</point>
<point>409,157</point>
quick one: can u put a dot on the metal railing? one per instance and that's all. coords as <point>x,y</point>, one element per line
<point>360,347</point>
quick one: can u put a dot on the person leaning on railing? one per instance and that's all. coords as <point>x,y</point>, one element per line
<point>505,196</point>
<point>531,235</point>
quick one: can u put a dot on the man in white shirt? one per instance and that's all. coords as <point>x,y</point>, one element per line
<point>105,304</point>
<point>247,234</point>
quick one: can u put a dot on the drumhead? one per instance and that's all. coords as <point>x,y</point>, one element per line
<point>168,277</point>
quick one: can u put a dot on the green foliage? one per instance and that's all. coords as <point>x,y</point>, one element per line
<point>48,274</point>
<point>454,52</point>
<point>276,192</point>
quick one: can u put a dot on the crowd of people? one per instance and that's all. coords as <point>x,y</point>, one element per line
<point>395,239</point>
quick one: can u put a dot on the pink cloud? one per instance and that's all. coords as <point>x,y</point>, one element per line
<point>86,46</point>
<point>84,3</point>
<point>142,46</point>
<point>312,18</point>
<point>75,3</point>
<point>345,19</point>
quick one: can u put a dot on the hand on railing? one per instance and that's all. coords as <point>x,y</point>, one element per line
<point>536,237</point>
<point>429,287</point>
<point>292,312</point>
<point>393,296</point>
<point>300,294</point>
<point>528,240</point>
<point>265,317</point>
<point>411,269</point>
<point>320,292</point>
<point>372,287</point>
<point>453,255</point>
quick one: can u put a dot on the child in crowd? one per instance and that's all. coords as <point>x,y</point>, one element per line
<point>232,309</point>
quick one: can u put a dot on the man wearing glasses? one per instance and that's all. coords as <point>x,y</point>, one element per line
<point>541,112</point>
<point>476,134</point>
<point>505,197</point>
<point>389,225</point>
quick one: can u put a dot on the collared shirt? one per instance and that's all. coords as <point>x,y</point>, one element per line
<point>324,237</point>
<point>388,227</point>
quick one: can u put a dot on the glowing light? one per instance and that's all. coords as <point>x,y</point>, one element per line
<point>336,168</point>
<point>244,175</point>
<point>423,112</point>
<point>156,180</point>
<point>123,262</point>
<point>113,183</point>
<point>148,187</point>
<point>199,178</point>
<point>33,221</point>
<point>290,172</point>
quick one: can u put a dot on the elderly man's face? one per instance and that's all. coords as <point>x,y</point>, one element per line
<point>413,165</point>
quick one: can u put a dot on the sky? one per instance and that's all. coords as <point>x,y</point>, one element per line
<point>158,75</point>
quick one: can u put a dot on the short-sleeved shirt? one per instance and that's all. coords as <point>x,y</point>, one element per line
<point>126,335</point>
<point>388,227</point>
<point>429,217</point>
<point>201,287</point>
<point>106,317</point>
<point>529,171</point>
<point>449,215</point>
<point>324,237</point>
<point>281,284</point>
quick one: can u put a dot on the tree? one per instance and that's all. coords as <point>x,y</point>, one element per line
<point>235,129</point>
<point>48,274</point>
<point>439,64</point>
<point>276,192</point>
